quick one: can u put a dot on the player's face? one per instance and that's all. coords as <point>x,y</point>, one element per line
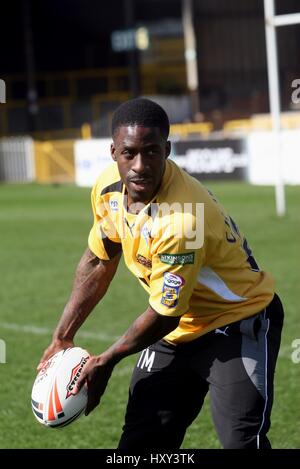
<point>140,153</point>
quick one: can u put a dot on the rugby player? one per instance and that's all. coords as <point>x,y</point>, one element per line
<point>214,321</point>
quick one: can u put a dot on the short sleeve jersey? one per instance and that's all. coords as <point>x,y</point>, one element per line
<point>184,249</point>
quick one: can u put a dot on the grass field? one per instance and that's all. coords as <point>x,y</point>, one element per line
<point>43,233</point>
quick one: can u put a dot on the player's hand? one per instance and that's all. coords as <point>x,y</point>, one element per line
<point>95,374</point>
<point>53,348</point>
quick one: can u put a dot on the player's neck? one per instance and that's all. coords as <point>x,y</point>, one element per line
<point>135,207</point>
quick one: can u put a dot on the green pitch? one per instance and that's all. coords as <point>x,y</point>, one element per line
<point>43,233</point>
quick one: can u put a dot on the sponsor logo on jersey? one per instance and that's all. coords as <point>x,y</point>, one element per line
<point>145,233</point>
<point>171,289</point>
<point>144,261</point>
<point>114,205</point>
<point>76,371</point>
<point>173,280</point>
<point>177,259</point>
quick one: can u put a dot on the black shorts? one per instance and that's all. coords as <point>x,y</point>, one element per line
<point>236,364</point>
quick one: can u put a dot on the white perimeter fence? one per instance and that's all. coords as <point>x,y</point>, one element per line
<point>17,159</point>
<point>250,158</point>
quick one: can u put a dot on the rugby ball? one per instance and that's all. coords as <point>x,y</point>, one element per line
<point>52,401</point>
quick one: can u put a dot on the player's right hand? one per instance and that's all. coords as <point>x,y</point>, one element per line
<point>55,346</point>
<point>95,373</point>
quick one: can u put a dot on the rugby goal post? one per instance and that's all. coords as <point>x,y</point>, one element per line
<point>273,21</point>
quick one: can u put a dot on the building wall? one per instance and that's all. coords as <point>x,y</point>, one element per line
<point>232,55</point>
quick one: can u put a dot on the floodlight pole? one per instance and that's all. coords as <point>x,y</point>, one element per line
<point>133,55</point>
<point>32,99</point>
<point>190,54</point>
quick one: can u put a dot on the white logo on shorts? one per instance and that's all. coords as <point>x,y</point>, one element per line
<point>221,331</point>
<point>146,360</point>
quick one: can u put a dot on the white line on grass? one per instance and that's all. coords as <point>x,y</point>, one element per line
<point>30,329</point>
<point>284,352</point>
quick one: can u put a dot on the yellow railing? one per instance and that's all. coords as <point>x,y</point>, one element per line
<point>289,120</point>
<point>184,130</point>
<point>65,89</point>
<point>69,84</point>
<point>54,161</point>
<point>237,125</point>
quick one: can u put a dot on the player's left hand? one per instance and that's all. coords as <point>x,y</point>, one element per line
<point>95,374</point>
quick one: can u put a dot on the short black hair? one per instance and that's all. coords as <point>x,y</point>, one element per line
<point>142,112</point>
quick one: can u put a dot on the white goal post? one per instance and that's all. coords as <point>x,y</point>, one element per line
<point>271,22</point>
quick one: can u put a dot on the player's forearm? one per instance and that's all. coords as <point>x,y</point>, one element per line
<point>92,279</point>
<point>146,330</point>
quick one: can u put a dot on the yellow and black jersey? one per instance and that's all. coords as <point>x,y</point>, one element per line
<point>184,249</point>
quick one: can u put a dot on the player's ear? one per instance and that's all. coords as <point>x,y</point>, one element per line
<point>113,152</point>
<point>168,148</point>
